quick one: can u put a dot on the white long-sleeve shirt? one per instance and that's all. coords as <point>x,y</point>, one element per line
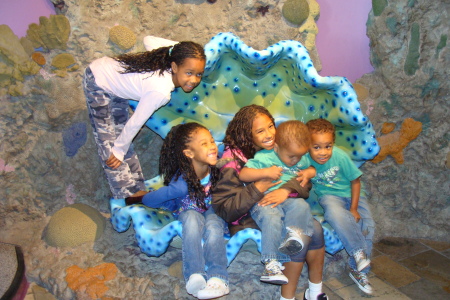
<point>150,89</point>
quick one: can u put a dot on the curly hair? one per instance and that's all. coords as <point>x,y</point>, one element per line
<point>293,131</point>
<point>173,163</point>
<point>239,131</point>
<point>321,126</point>
<point>160,59</point>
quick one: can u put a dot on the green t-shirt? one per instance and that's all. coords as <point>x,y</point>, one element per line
<point>335,176</point>
<point>268,158</point>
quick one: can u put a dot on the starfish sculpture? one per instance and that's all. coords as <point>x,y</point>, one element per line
<point>263,10</point>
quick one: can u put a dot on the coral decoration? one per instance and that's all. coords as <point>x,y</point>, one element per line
<point>38,58</point>
<point>393,143</point>
<point>90,281</point>
<point>122,36</point>
<point>387,128</point>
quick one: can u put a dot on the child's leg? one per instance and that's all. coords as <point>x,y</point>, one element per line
<point>108,115</point>
<point>214,247</point>
<point>367,226</point>
<point>193,224</point>
<point>314,254</point>
<point>337,213</point>
<point>271,224</point>
<point>292,270</point>
<point>297,214</point>
<point>215,257</point>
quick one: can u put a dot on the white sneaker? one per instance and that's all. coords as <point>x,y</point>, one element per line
<point>272,273</point>
<point>215,288</point>
<point>292,243</point>
<point>361,260</point>
<point>195,283</point>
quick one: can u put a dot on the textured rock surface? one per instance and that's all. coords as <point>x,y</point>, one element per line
<point>74,225</point>
<point>410,199</point>
<point>38,178</point>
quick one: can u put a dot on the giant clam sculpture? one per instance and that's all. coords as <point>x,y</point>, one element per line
<point>283,79</point>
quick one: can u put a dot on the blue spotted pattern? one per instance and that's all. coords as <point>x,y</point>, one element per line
<point>283,79</point>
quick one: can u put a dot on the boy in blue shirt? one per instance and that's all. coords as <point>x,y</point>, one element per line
<point>338,187</point>
<point>289,217</point>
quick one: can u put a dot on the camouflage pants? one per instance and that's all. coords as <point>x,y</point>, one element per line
<point>108,114</point>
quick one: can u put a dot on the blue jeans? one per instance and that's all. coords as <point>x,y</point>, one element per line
<point>210,260</point>
<point>293,213</point>
<point>354,236</point>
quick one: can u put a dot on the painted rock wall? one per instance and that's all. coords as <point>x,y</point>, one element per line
<point>411,57</point>
<point>48,159</point>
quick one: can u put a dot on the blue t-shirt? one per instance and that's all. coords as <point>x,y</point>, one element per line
<point>268,158</point>
<point>335,176</point>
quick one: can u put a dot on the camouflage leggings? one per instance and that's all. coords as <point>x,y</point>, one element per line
<point>108,114</point>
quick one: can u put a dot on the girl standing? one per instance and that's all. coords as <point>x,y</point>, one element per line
<point>148,77</point>
<point>253,129</point>
<point>187,164</point>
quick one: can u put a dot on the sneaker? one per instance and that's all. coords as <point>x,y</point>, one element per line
<point>361,280</point>
<point>361,260</point>
<point>272,273</point>
<point>293,242</point>
<point>195,283</point>
<point>321,296</point>
<point>215,288</point>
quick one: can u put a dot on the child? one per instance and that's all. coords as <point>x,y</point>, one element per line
<point>148,77</point>
<point>253,129</point>
<point>283,161</point>
<point>338,188</point>
<point>187,164</point>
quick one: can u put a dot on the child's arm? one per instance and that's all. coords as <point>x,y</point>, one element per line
<point>304,176</point>
<point>161,196</point>
<point>250,175</point>
<point>356,190</point>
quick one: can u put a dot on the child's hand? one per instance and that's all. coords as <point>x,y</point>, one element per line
<point>355,214</point>
<point>264,184</point>
<point>275,197</point>
<point>305,175</point>
<point>113,162</point>
<point>273,172</point>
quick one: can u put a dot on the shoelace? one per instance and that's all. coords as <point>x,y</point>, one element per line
<point>275,266</point>
<point>359,254</point>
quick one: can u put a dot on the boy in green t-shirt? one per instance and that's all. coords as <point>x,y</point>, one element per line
<point>338,187</point>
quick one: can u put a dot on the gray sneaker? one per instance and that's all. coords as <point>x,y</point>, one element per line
<point>362,281</point>
<point>272,273</point>
<point>292,243</point>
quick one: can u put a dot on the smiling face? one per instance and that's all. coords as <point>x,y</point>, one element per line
<point>201,149</point>
<point>188,74</point>
<point>263,132</point>
<point>291,154</point>
<point>321,147</point>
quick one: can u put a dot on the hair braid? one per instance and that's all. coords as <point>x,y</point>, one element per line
<point>173,163</point>
<point>160,59</point>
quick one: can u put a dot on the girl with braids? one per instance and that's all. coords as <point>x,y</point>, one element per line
<point>148,77</point>
<point>187,164</point>
<point>253,129</point>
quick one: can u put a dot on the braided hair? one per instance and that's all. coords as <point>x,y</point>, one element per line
<point>160,59</point>
<point>173,163</point>
<point>238,136</point>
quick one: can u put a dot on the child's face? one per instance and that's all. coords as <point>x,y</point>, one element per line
<point>202,149</point>
<point>188,74</point>
<point>263,132</point>
<point>321,147</point>
<point>291,154</point>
